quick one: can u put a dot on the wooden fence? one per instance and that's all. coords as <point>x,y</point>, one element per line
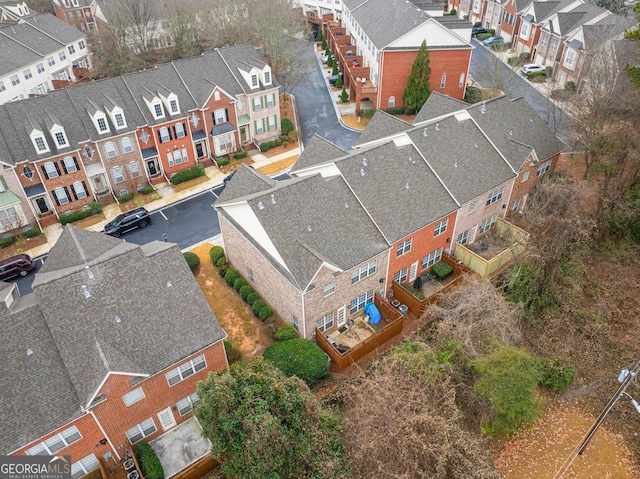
<point>394,323</point>
<point>198,469</point>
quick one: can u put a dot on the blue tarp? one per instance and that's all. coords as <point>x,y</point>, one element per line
<point>373,313</point>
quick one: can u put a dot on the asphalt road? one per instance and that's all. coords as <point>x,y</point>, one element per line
<point>488,71</point>
<point>316,112</point>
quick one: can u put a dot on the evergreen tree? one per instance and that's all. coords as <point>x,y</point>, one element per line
<point>320,37</point>
<point>418,90</point>
<point>344,96</point>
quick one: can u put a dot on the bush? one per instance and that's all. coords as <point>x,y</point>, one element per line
<point>238,155</point>
<point>483,36</point>
<point>252,298</point>
<point>222,269</point>
<point>188,174</point>
<point>369,112</point>
<point>344,96</point>
<point>245,291</point>
<point>442,269</point>
<point>8,241</point>
<point>256,306</point>
<point>320,36</point>
<point>513,61</point>
<point>491,31</point>
<point>264,147</point>
<point>239,283</point>
<point>215,254</point>
<point>272,144</point>
<point>409,111</point>
<point>149,462</point>
<point>278,141</point>
<point>223,162</point>
<point>339,82</point>
<point>233,355</point>
<point>396,110</point>
<point>286,126</point>
<point>524,57</point>
<point>231,276</point>
<point>477,24</point>
<point>570,86</point>
<point>329,61</point>
<point>531,75</point>
<point>95,207</point>
<point>146,190</point>
<point>33,232</point>
<point>286,332</point>
<point>293,135</point>
<point>299,357</point>
<point>324,44</point>
<point>265,313</point>
<point>77,215</point>
<point>284,138</point>
<point>192,260</point>
<point>124,198</point>
<point>556,375</point>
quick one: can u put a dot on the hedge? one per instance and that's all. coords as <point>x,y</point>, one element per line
<point>223,162</point>
<point>398,110</point>
<point>483,36</point>
<point>265,313</point>
<point>442,269</point>
<point>8,241</point>
<point>215,254</point>
<point>264,147</point>
<point>238,155</point>
<point>231,275</point>
<point>252,298</point>
<point>33,232</point>
<point>256,306</point>
<point>149,462</point>
<point>239,283</point>
<point>77,215</point>
<point>369,112</point>
<point>299,357</point>
<point>245,291</point>
<point>188,174</point>
<point>286,332</point>
<point>286,126</point>
<point>146,190</point>
<point>192,260</point>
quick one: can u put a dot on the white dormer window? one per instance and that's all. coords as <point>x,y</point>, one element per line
<point>173,106</point>
<point>101,123</point>
<point>267,77</point>
<point>158,112</point>
<point>117,118</point>
<point>254,80</point>
<point>75,3</point>
<point>39,142</point>
<point>61,138</point>
<point>171,103</point>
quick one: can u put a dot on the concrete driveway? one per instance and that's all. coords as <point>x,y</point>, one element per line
<point>316,111</point>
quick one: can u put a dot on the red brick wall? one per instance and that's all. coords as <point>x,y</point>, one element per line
<point>179,143</point>
<point>522,188</point>
<point>116,418</point>
<point>211,106</point>
<point>396,67</point>
<point>423,243</point>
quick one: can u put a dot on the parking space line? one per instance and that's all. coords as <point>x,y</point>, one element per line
<point>162,213</point>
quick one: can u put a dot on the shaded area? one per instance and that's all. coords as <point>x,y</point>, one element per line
<point>180,447</point>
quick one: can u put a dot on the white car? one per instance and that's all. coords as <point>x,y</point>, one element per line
<point>532,68</point>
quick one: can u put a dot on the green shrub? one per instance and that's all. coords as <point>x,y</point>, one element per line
<point>453,12</point>
<point>339,82</point>
<point>264,147</point>
<point>233,355</point>
<point>513,61</point>
<point>442,269</point>
<point>286,126</point>
<point>531,75</point>
<point>299,357</point>
<point>8,241</point>
<point>334,70</point>
<point>324,44</point>
<point>396,110</point>
<point>344,96</point>
<point>231,276</point>
<point>95,207</point>
<point>238,155</point>
<point>239,283</point>
<point>414,291</point>
<point>483,36</point>
<point>508,380</point>
<point>222,269</point>
<point>272,144</point>
<point>149,462</point>
<point>256,306</point>
<point>556,375</point>
<point>76,216</point>
<point>245,291</point>
<point>278,141</point>
<point>124,198</point>
<point>223,162</point>
<point>147,190</point>
<point>33,232</point>
<point>369,112</point>
<point>570,86</point>
<point>329,61</point>
<point>215,253</point>
<point>188,174</point>
<point>320,36</point>
<point>477,24</point>
<point>409,111</point>
<point>285,138</point>
<point>293,135</point>
<point>265,313</point>
<point>252,298</point>
<point>192,260</point>
<point>524,57</point>
<point>491,31</point>
<point>286,332</point>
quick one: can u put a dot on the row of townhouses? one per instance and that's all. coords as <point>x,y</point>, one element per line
<point>101,139</point>
<point>39,53</point>
<point>85,15</point>
<point>105,352</point>
<point>317,247</point>
<point>376,43</point>
<point>562,34</point>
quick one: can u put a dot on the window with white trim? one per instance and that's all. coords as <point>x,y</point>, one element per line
<point>79,190</point>
<point>432,258</point>
<point>488,223</point>
<point>329,289</point>
<point>267,77</point>
<point>514,204</point>
<point>472,206</point>
<point>186,405</point>
<point>543,168</point>
<point>494,196</point>
<point>569,59</point>
<point>84,466</point>
<point>250,274</point>
<point>61,196</point>
<point>116,173</point>
<point>101,123</point>
<point>543,40</point>
<point>134,169</point>
<point>440,228</point>
<point>61,138</point>
<point>185,370</point>
<point>401,276</point>
<point>71,49</point>
<point>358,303</point>
<point>9,216</point>
<point>177,157</point>
<point>158,111</point>
<point>270,100</point>
<point>294,322</point>
<point>392,102</point>
<point>110,149</point>
<point>259,124</point>
<point>50,170</point>
<point>55,443</point>
<point>62,56</point>
<point>554,44</point>
<point>443,80</point>
<point>170,158</point>
<point>40,68</point>
<point>524,31</point>
<point>133,397</point>
<point>461,80</point>
<point>363,271</point>
<point>326,322</point>
<point>164,134</point>
<point>140,431</point>
<point>404,247</point>
<point>69,164</point>
<point>180,131</point>
<point>173,105</point>
<point>51,61</point>
<point>271,123</point>
<point>220,116</point>
<point>257,103</point>
<point>119,120</point>
<point>82,45</point>
<point>127,144</point>
<point>27,74</point>
<point>254,80</point>
<point>15,80</point>
<point>463,237</point>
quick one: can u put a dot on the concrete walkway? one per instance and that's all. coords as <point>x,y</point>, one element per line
<point>169,196</point>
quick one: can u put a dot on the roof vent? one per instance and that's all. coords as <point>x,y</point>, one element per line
<point>510,132</point>
<point>273,199</point>
<point>309,228</point>
<point>346,205</point>
<point>484,107</point>
<point>406,186</point>
<point>86,292</point>
<point>476,145</point>
<point>118,320</point>
<point>424,132</point>
<point>530,120</point>
<point>437,126</point>
<point>260,205</point>
<point>89,273</point>
<point>455,165</point>
<point>364,162</point>
<point>361,171</point>
<point>29,351</point>
<point>169,284</point>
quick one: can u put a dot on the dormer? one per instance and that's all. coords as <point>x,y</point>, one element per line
<point>266,76</point>
<point>39,141</point>
<point>171,103</point>
<point>100,122</point>
<point>59,136</point>
<point>117,118</point>
<point>155,107</point>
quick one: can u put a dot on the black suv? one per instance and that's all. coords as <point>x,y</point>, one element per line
<point>475,31</point>
<point>136,218</point>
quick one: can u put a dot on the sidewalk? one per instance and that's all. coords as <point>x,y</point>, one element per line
<point>169,196</point>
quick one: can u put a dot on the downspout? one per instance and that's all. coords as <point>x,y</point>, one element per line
<point>115,451</point>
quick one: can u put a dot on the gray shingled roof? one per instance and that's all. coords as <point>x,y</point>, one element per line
<point>606,29</point>
<point>13,54</point>
<point>388,170</point>
<point>385,23</point>
<point>54,27</point>
<point>382,124</point>
<point>569,21</point>
<point>544,9</point>
<point>245,181</point>
<point>307,226</point>
<point>469,169</point>
<point>77,340</point>
<point>438,105</point>
<point>318,151</point>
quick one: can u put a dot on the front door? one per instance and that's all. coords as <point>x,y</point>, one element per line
<point>167,420</point>
<point>98,182</point>
<point>152,167</point>
<point>199,150</point>
<point>41,205</point>
<point>243,134</point>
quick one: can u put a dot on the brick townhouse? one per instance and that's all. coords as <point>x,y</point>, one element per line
<point>102,139</point>
<point>85,15</point>
<point>105,352</point>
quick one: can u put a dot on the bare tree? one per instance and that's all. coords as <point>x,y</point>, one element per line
<point>140,21</point>
<point>187,30</point>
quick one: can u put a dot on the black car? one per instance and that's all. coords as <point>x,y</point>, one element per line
<point>475,31</point>
<point>227,179</point>
<point>132,219</point>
